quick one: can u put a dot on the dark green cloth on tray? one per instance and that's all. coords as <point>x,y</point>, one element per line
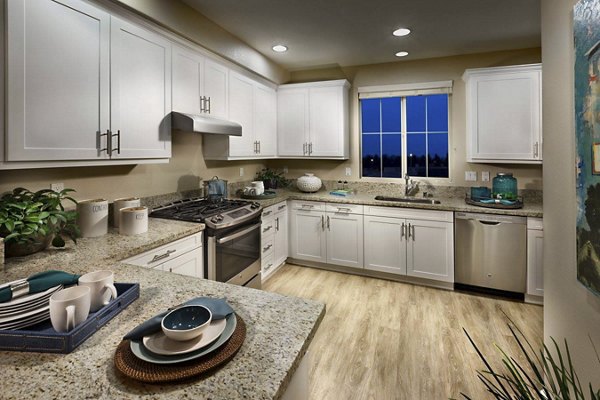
<point>219,309</point>
<point>41,282</point>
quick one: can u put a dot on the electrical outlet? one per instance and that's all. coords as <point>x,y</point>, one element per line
<point>471,176</point>
<point>348,171</point>
<point>285,169</point>
<point>485,176</point>
<point>241,171</point>
<point>57,187</point>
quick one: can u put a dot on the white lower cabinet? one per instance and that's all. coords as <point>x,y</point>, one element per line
<point>417,243</point>
<point>274,238</point>
<point>184,256</point>
<point>535,264</point>
<point>327,233</point>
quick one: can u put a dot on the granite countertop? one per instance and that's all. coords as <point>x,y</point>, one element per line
<point>530,209</point>
<point>279,328</point>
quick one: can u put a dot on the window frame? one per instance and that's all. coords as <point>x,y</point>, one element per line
<point>403,91</point>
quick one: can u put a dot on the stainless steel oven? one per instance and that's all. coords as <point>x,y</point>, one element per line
<point>233,254</point>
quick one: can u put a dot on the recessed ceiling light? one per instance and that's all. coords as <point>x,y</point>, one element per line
<point>401,32</point>
<point>402,54</point>
<point>279,48</point>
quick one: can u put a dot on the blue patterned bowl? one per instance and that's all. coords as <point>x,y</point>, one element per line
<point>186,323</point>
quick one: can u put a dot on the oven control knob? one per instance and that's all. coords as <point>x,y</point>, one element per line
<point>214,219</point>
<point>220,217</point>
<point>254,205</point>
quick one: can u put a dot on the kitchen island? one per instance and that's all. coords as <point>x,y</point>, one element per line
<point>279,328</point>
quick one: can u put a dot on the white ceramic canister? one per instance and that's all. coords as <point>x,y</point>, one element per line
<point>308,183</point>
<point>92,217</point>
<point>123,203</point>
<point>133,220</point>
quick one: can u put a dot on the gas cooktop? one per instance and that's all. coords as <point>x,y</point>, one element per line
<point>215,214</point>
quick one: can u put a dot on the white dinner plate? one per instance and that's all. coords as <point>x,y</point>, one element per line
<point>26,322</point>
<point>25,315</point>
<point>26,301</point>
<point>141,352</point>
<point>159,343</point>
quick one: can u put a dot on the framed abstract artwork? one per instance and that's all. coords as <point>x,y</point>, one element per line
<point>586,31</point>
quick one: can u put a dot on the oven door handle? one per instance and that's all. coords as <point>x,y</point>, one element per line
<point>238,234</point>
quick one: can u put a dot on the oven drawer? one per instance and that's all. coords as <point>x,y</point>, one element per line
<point>166,252</point>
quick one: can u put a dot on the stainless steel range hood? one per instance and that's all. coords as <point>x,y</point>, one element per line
<point>204,124</point>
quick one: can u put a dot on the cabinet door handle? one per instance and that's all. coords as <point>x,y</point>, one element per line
<point>281,207</point>
<point>118,135</point>
<point>209,105</point>
<point>403,231</point>
<point>413,231</point>
<point>277,224</point>
<point>409,227</point>
<point>267,228</point>
<point>258,147</point>
<point>536,149</point>
<point>265,213</point>
<point>202,104</point>
<point>310,148</point>
<point>322,222</point>
<point>267,247</point>
<point>159,257</point>
<point>328,224</point>
<point>108,140</point>
<point>303,148</point>
<point>344,210</point>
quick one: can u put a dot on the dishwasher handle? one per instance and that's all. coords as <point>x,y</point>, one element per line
<point>489,222</point>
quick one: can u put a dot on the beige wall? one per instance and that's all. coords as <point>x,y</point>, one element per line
<point>570,310</point>
<point>439,69</point>
<point>186,21</point>
<point>185,171</point>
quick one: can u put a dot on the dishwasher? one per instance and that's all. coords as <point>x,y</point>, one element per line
<point>490,251</point>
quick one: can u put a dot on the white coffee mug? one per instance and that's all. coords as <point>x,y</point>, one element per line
<point>123,203</point>
<point>259,187</point>
<point>102,288</point>
<point>92,217</point>
<point>69,308</point>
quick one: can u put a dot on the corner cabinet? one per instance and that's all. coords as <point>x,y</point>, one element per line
<point>327,233</point>
<point>252,105</point>
<point>504,113</point>
<point>411,242</point>
<point>312,120</point>
<point>535,260</point>
<point>84,85</point>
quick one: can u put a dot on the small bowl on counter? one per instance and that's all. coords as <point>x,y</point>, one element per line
<point>186,323</point>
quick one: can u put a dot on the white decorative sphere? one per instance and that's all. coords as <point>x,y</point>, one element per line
<point>308,183</point>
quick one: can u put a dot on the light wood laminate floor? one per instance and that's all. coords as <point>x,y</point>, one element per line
<point>388,340</point>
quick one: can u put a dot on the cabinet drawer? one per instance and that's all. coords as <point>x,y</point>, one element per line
<point>189,264</point>
<point>268,227</point>
<point>400,212</point>
<point>168,251</point>
<point>345,208</point>
<point>266,246</point>
<point>268,212</point>
<point>267,263</point>
<point>535,223</point>
<point>308,205</point>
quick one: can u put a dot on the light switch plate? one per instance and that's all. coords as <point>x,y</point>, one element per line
<point>471,176</point>
<point>485,176</point>
<point>348,171</point>
<point>241,171</point>
<point>57,187</point>
<point>285,169</point>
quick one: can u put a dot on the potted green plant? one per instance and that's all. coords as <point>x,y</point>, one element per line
<point>273,179</point>
<point>29,221</point>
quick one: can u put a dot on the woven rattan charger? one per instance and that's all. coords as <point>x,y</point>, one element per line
<point>132,367</point>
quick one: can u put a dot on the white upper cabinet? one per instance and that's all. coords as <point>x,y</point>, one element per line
<point>57,80</point>
<point>253,106</point>
<point>140,92</point>
<point>313,120</point>
<point>84,85</point>
<point>504,112</point>
<point>199,84</point>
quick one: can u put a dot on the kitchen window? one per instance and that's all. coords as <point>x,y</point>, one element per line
<point>405,131</point>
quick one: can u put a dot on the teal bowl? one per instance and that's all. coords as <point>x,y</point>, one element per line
<point>186,323</point>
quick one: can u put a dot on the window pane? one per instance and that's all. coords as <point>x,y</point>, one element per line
<point>416,157</point>
<point>370,115</point>
<point>390,115</point>
<point>415,114</point>
<point>392,156</point>
<point>371,157</point>
<point>437,113</point>
<point>438,155</point>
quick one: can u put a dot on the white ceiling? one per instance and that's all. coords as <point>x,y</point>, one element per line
<point>357,32</point>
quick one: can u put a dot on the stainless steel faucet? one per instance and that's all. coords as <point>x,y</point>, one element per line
<point>409,185</point>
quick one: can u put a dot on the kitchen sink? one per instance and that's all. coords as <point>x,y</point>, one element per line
<point>408,200</point>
